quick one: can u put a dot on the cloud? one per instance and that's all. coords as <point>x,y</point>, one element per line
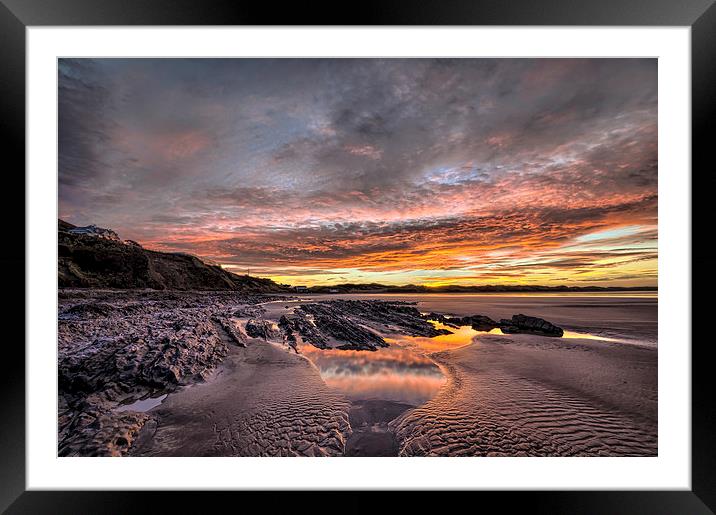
<point>373,165</point>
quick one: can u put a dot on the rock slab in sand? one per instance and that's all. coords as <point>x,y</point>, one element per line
<point>530,325</point>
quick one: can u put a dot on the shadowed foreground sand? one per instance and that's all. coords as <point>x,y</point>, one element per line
<point>263,401</point>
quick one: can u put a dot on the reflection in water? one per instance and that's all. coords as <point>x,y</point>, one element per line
<point>587,336</point>
<point>401,372</point>
<point>143,404</point>
<point>391,373</point>
<point>459,338</point>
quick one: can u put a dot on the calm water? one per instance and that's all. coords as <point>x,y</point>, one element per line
<point>404,373</point>
<point>401,372</point>
<point>142,404</point>
<point>628,316</point>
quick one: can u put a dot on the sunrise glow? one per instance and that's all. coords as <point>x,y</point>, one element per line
<point>417,171</point>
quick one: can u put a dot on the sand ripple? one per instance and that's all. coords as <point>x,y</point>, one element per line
<point>265,402</point>
<point>499,403</point>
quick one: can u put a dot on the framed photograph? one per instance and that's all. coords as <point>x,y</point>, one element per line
<point>441,248</point>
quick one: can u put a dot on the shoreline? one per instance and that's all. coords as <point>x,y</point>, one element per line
<point>263,401</point>
<point>581,421</point>
<point>238,394</point>
<point>524,396</point>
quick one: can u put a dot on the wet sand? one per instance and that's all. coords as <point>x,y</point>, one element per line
<point>629,315</point>
<point>262,401</point>
<point>467,393</point>
<point>517,395</point>
<point>524,395</point>
<point>372,435</point>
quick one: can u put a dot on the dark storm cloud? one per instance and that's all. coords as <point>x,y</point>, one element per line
<point>82,123</point>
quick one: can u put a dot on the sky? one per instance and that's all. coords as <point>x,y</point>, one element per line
<point>397,171</point>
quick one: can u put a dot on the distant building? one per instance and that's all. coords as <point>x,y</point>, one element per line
<point>301,289</point>
<point>332,290</point>
<point>97,232</point>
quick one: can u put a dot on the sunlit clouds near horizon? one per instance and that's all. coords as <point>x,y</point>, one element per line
<point>397,171</point>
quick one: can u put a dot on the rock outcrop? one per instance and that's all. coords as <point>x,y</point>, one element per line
<point>518,324</point>
<point>88,261</point>
<point>443,319</point>
<point>297,325</point>
<point>355,324</point>
<point>530,325</point>
<point>115,348</point>
<point>260,328</point>
<point>478,322</point>
<point>233,333</point>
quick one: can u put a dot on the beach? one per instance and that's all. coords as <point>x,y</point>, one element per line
<point>262,401</point>
<point>422,389</point>
<point>522,396</point>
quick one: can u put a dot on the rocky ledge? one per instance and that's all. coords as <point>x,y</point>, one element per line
<point>355,324</point>
<point>530,325</point>
<point>517,324</point>
<point>118,347</point>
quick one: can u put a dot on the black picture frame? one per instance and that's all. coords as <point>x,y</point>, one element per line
<point>17,15</point>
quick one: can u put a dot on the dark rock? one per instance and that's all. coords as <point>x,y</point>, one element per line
<point>358,346</point>
<point>445,320</point>
<point>298,324</point>
<point>398,316</point>
<point>477,322</point>
<point>91,309</point>
<point>260,328</point>
<point>88,261</point>
<point>351,322</point>
<point>230,329</point>
<point>482,323</point>
<point>530,325</point>
<point>331,321</point>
